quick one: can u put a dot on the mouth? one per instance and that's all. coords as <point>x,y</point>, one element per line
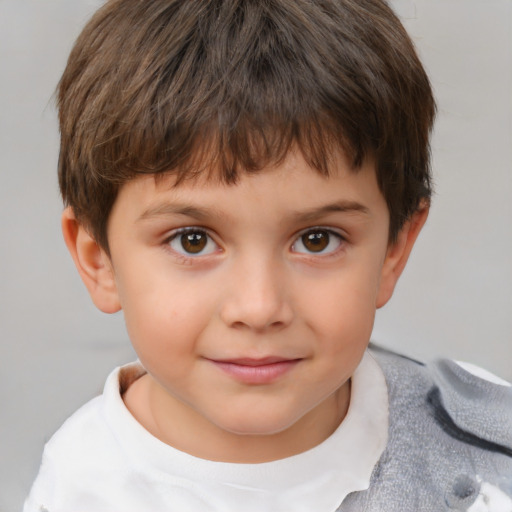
<point>256,371</point>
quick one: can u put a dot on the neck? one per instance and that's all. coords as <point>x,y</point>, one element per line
<point>176,424</point>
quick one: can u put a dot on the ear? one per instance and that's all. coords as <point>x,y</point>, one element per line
<point>398,254</point>
<point>92,263</point>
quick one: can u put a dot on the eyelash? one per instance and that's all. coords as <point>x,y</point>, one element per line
<point>189,256</point>
<point>331,234</point>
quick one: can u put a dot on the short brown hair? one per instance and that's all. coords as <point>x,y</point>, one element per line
<point>182,86</point>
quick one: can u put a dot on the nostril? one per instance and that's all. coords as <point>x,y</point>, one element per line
<point>271,326</point>
<point>238,325</point>
<point>254,311</point>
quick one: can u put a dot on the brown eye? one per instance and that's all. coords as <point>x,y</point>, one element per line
<point>317,241</point>
<point>193,242</point>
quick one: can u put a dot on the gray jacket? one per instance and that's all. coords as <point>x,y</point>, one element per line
<point>450,442</point>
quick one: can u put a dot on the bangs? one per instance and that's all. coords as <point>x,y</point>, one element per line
<point>223,152</point>
<point>229,85</point>
<point>223,87</point>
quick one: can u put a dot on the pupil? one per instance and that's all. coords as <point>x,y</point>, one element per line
<point>193,242</point>
<point>316,241</point>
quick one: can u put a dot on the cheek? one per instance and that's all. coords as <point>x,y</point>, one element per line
<point>164,315</point>
<point>342,307</point>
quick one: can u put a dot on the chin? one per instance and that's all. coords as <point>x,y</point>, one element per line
<point>256,425</point>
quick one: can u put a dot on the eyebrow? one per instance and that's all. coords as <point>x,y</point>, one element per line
<point>337,207</point>
<point>167,209</point>
<point>205,213</point>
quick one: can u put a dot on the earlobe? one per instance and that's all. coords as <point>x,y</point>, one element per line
<point>92,263</point>
<point>398,254</point>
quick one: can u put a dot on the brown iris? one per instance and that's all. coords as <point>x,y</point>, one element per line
<point>315,241</point>
<point>194,242</point>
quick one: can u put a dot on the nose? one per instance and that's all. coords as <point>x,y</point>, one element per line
<point>257,297</point>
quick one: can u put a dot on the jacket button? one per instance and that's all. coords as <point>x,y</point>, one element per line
<point>463,493</point>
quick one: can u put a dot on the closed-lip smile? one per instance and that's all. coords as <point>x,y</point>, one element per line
<point>256,370</point>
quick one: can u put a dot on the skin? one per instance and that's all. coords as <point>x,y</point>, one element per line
<point>287,271</point>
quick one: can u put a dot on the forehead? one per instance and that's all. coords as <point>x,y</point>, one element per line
<point>290,187</point>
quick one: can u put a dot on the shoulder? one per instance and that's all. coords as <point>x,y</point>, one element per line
<point>82,454</point>
<point>471,403</point>
<point>467,401</point>
<point>96,422</point>
<point>86,428</point>
<point>450,434</point>
<point>83,424</point>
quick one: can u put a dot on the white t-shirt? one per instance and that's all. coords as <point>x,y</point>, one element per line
<point>102,460</point>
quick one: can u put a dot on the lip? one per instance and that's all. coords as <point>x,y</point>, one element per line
<point>256,371</point>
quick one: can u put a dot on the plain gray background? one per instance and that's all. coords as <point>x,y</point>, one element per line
<point>455,298</point>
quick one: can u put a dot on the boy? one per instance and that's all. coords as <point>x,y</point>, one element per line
<point>246,180</point>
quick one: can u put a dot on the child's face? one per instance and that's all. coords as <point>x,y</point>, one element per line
<point>251,305</point>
